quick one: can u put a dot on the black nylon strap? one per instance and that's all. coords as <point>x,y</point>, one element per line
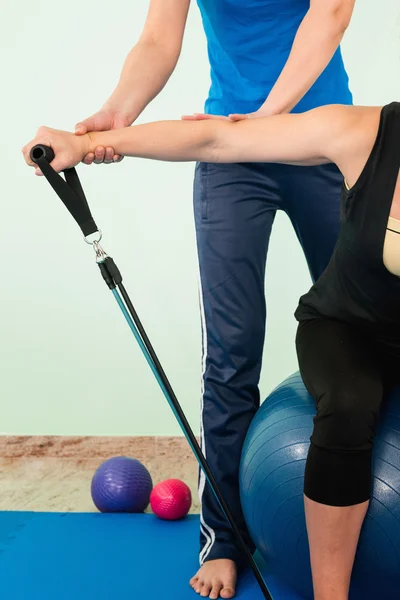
<point>70,190</point>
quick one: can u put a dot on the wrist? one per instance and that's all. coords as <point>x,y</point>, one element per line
<point>270,109</point>
<point>123,107</point>
<point>86,143</point>
<point>95,139</point>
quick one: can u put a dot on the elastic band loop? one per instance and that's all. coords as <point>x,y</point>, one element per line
<point>70,190</point>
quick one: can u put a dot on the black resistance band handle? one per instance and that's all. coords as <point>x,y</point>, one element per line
<point>69,190</point>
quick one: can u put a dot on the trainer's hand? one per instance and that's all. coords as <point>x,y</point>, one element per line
<point>68,148</point>
<point>254,115</point>
<point>104,120</point>
<point>234,117</point>
<point>203,117</point>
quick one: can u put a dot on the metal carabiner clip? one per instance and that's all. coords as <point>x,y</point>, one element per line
<point>101,255</point>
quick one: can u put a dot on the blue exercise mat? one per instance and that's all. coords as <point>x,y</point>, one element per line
<point>52,556</point>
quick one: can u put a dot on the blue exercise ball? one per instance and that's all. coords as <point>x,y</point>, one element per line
<point>271,488</point>
<point>121,484</point>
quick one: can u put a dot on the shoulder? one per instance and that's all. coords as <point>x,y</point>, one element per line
<point>342,118</point>
<point>348,132</point>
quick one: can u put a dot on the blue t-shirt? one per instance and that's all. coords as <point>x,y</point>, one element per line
<point>249,42</point>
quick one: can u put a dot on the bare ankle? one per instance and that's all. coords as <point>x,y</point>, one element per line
<point>330,595</point>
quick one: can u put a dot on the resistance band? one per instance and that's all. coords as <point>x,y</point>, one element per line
<point>72,195</point>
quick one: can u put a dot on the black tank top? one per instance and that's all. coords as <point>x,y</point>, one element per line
<point>356,287</point>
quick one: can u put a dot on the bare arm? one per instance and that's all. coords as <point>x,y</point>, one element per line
<point>340,134</point>
<point>145,72</point>
<point>293,139</point>
<point>316,41</point>
<point>151,62</point>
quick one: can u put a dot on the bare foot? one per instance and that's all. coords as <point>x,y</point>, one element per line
<point>215,579</point>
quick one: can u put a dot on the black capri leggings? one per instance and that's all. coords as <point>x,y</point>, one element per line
<point>348,374</point>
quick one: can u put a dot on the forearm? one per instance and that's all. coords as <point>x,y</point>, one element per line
<point>316,41</point>
<point>292,139</point>
<point>163,140</point>
<point>139,84</point>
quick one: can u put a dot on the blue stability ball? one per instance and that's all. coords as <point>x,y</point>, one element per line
<point>121,484</point>
<point>271,487</point>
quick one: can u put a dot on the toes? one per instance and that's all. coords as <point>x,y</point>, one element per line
<point>198,586</point>
<point>193,582</point>
<point>216,589</point>
<point>205,590</point>
<point>227,592</point>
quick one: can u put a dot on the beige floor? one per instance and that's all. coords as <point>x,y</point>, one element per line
<point>54,474</point>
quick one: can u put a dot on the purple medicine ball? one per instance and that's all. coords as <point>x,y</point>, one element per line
<point>121,484</point>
